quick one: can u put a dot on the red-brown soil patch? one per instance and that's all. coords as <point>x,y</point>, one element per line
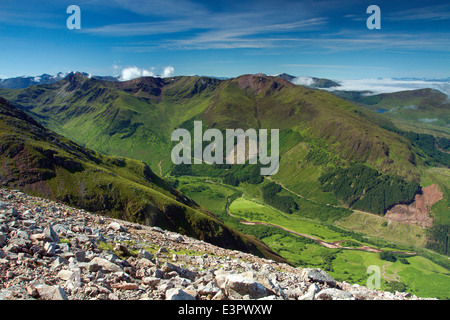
<point>417,212</point>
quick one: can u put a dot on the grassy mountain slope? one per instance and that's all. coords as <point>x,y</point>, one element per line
<point>422,110</point>
<point>321,135</point>
<point>136,118</point>
<point>319,131</point>
<point>42,163</point>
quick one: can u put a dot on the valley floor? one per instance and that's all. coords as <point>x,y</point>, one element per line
<point>343,248</point>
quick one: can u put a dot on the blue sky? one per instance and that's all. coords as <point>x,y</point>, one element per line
<point>319,38</point>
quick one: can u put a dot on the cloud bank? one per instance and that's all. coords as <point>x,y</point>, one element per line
<point>387,85</point>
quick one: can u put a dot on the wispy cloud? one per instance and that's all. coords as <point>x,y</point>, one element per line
<point>334,66</point>
<point>230,24</point>
<point>168,8</point>
<point>30,17</point>
<point>350,40</point>
<point>202,29</point>
<point>429,13</point>
<point>244,35</point>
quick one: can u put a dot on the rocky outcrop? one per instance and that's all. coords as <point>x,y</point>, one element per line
<point>49,251</point>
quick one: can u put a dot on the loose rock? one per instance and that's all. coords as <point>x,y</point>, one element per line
<point>83,256</point>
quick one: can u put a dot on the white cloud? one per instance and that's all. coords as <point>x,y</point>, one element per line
<point>168,72</point>
<point>303,81</point>
<point>134,72</point>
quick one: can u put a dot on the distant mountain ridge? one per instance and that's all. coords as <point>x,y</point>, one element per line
<point>312,82</point>
<point>27,81</point>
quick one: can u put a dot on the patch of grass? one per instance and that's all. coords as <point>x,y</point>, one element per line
<point>380,227</point>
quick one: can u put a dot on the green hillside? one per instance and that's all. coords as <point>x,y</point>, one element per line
<point>136,118</point>
<point>322,136</point>
<point>342,166</point>
<point>422,111</point>
<point>42,163</point>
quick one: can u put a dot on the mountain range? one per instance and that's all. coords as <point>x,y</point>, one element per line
<point>105,145</point>
<point>27,81</point>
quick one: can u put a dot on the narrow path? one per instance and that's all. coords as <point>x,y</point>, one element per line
<point>298,195</point>
<point>160,168</point>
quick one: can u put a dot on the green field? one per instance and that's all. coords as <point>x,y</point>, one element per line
<point>251,210</point>
<point>421,276</point>
<point>381,227</point>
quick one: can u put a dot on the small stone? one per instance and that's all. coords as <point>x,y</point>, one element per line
<point>80,256</point>
<point>117,227</point>
<point>151,281</point>
<point>65,274</point>
<point>2,239</point>
<point>211,288</point>
<point>50,248</point>
<point>334,294</point>
<point>13,212</point>
<point>317,275</point>
<point>29,223</point>
<point>98,263</point>
<point>163,250</point>
<point>50,235</point>
<point>125,286</point>
<point>144,254</point>
<point>52,293</point>
<point>178,294</point>
<point>244,286</point>
<point>59,261</point>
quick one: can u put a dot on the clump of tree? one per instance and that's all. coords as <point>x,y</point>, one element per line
<point>363,188</point>
<point>182,170</point>
<point>393,286</point>
<point>438,238</point>
<point>236,174</point>
<point>388,256</point>
<point>284,203</point>
<point>230,174</point>
<point>427,143</point>
<point>444,144</point>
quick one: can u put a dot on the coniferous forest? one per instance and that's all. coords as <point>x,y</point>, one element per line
<point>363,188</point>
